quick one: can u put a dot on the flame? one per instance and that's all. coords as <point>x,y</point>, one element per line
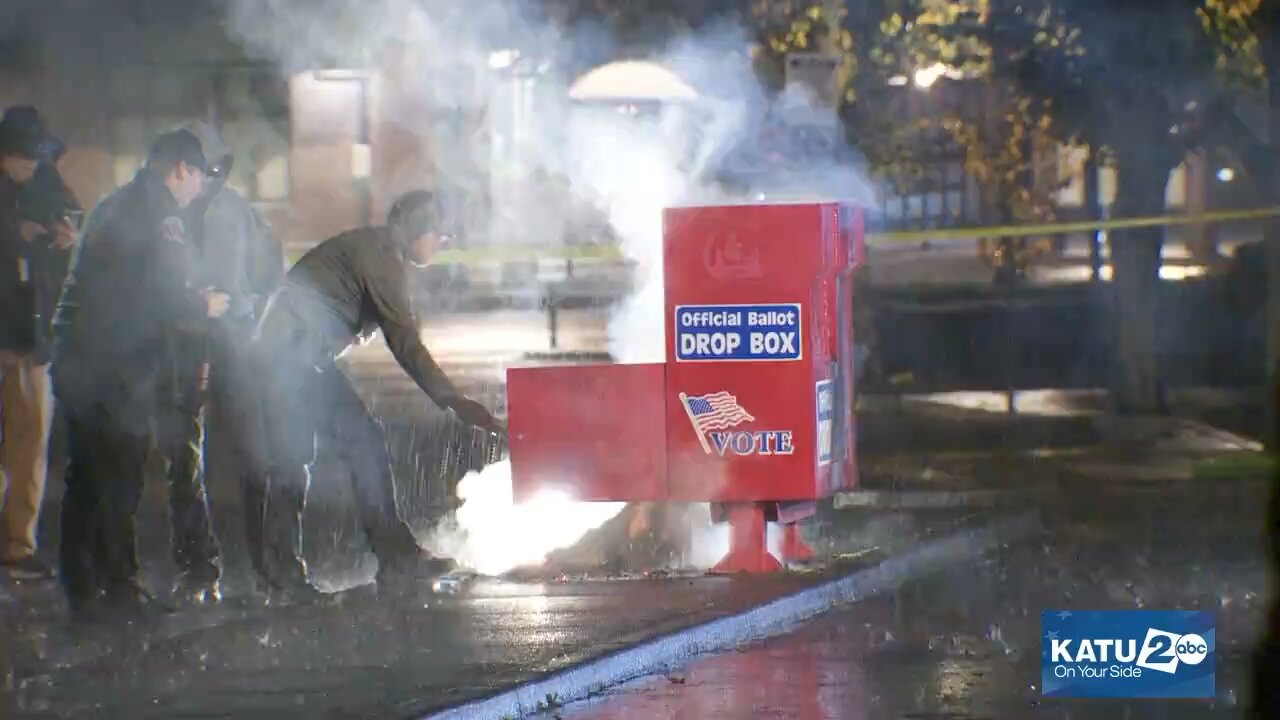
<point>490,534</point>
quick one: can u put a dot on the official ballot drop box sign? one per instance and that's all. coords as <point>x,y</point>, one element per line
<point>759,323</point>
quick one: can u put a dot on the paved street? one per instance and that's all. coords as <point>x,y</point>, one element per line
<point>966,645</point>
<point>406,655</point>
<point>364,658</point>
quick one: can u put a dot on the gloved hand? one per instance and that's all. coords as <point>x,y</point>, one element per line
<point>475,414</point>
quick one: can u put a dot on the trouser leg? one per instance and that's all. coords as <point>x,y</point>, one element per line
<point>26,411</point>
<point>254,496</point>
<point>277,485</point>
<point>283,498</point>
<point>237,445</point>
<point>363,448</point>
<point>253,407</point>
<point>122,456</point>
<point>195,549</point>
<point>180,437</point>
<point>104,486</point>
<point>79,551</point>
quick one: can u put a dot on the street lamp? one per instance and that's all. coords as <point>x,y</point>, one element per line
<point>925,77</point>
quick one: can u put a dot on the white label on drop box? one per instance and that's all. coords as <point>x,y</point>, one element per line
<point>824,401</point>
<point>738,333</point>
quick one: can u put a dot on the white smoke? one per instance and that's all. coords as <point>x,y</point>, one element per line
<point>449,60</point>
<point>491,534</point>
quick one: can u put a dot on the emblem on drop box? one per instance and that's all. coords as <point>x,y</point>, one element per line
<point>713,416</point>
<point>728,258</point>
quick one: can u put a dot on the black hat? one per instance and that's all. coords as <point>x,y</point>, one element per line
<point>175,146</point>
<point>23,133</point>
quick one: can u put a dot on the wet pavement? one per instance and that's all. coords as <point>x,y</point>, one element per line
<point>372,653</point>
<point>406,655</point>
<point>966,645</point>
<point>368,656</point>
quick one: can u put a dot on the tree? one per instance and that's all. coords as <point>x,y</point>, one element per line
<point>1264,24</point>
<point>640,24</point>
<point>1129,90</point>
<point>1257,35</point>
<point>1103,78</point>
<point>998,135</point>
<point>783,27</point>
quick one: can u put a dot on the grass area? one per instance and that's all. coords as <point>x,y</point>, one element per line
<point>1233,465</point>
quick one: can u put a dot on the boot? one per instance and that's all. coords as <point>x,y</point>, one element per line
<point>131,601</point>
<point>299,595</point>
<point>85,606</point>
<point>408,572</point>
<point>200,586</point>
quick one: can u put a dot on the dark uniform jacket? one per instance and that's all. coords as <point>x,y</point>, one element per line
<point>240,256</point>
<point>31,273</point>
<point>341,292</point>
<point>129,291</point>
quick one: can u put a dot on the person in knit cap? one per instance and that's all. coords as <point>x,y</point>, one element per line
<point>34,249</point>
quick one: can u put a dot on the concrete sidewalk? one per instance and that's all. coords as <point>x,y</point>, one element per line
<point>402,656</point>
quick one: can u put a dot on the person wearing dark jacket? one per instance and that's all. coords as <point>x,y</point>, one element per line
<point>129,292</point>
<point>35,242</point>
<point>238,255</point>
<point>340,292</point>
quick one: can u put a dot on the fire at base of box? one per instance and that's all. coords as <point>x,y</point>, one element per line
<point>547,537</point>
<point>491,534</point>
<point>643,541</point>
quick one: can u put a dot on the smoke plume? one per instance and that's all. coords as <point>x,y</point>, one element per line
<point>458,60</point>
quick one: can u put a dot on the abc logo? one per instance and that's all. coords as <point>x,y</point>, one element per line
<point>1191,649</point>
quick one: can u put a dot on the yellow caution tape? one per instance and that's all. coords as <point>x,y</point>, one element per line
<point>527,254</point>
<point>531,254</point>
<point>1005,231</point>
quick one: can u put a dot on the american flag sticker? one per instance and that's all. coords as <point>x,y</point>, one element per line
<point>717,411</point>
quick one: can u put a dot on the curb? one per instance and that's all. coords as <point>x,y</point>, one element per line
<point>930,499</point>
<point>773,618</point>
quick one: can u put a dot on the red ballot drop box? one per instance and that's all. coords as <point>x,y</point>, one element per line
<point>752,410</point>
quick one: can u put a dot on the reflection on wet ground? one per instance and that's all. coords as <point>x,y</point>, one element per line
<point>368,655</point>
<point>967,644</point>
<point>950,647</point>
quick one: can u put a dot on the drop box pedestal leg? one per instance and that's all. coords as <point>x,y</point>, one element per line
<point>794,548</point>
<point>748,546</point>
